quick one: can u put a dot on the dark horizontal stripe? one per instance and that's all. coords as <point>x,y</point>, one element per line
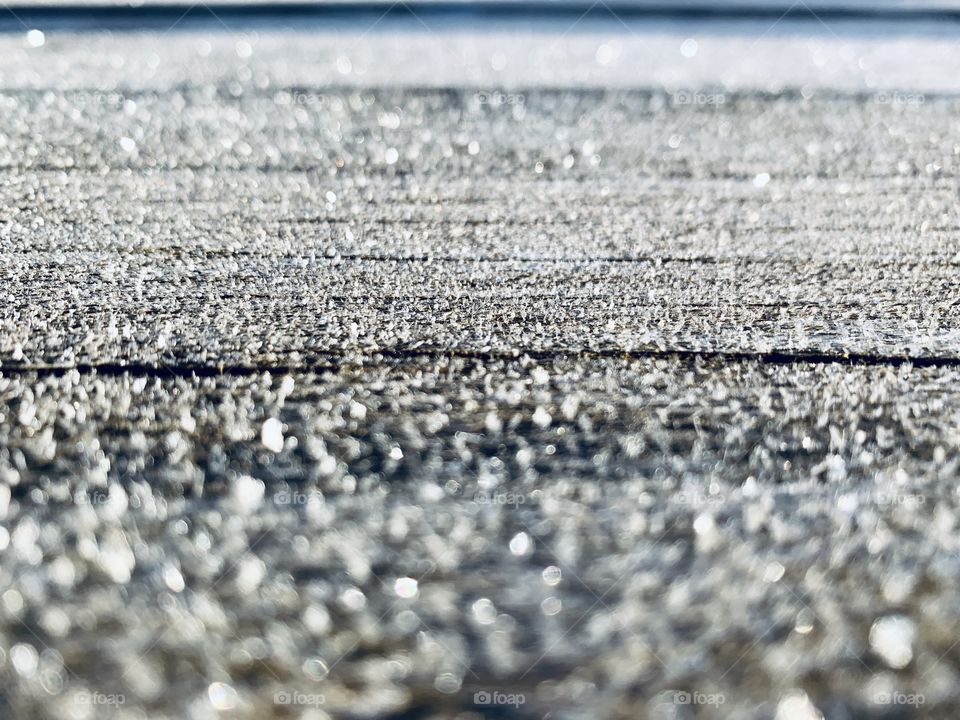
<point>293,14</point>
<point>332,360</point>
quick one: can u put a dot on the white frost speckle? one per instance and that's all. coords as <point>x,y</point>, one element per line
<point>521,545</point>
<point>484,611</point>
<point>551,605</point>
<point>797,706</point>
<point>222,696</point>
<point>247,493</point>
<point>552,575</point>
<point>24,659</point>
<point>173,579</point>
<point>272,435</point>
<point>541,418</point>
<point>605,54</point>
<point>405,587</point>
<point>773,572</point>
<point>892,639</point>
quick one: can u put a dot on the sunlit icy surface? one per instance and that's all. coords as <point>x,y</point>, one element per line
<point>338,375</point>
